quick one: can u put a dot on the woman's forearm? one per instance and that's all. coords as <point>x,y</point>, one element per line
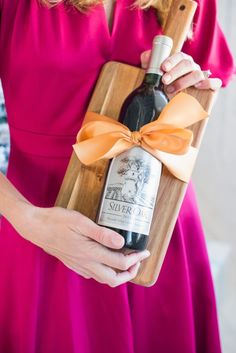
<point>11,200</point>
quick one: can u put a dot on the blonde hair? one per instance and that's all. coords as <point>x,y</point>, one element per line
<point>162,6</point>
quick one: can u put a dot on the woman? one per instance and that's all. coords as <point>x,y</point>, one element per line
<point>50,60</point>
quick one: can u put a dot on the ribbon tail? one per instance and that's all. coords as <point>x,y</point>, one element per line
<point>181,166</point>
<point>183,110</point>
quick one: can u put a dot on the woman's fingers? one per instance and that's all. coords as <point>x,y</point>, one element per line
<point>73,266</point>
<point>106,275</point>
<point>83,246</point>
<point>103,273</point>
<point>209,83</point>
<point>145,56</point>
<point>180,72</point>
<point>169,63</point>
<point>194,79</point>
<point>175,59</point>
<point>100,253</point>
<point>118,260</point>
<point>185,81</point>
<point>181,69</point>
<point>102,235</point>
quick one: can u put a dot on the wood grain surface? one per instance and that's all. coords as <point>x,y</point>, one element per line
<point>82,186</point>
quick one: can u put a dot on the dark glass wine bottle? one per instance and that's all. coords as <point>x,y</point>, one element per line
<point>133,177</point>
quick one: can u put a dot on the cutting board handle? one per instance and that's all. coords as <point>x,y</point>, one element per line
<point>178,23</point>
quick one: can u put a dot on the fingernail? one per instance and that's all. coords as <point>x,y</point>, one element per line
<point>170,89</point>
<point>167,66</point>
<point>118,241</point>
<point>145,254</point>
<point>166,78</point>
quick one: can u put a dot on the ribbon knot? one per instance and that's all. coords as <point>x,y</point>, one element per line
<point>136,137</point>
<point>165,138</point>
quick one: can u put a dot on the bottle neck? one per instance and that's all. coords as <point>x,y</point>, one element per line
<point>153,79</point>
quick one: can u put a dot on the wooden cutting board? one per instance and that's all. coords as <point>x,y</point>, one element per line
<point>82,185</point>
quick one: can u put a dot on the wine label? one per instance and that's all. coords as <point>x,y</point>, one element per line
<point>130,191</point>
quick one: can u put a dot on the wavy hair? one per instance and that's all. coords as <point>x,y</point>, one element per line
<point>162,6</point>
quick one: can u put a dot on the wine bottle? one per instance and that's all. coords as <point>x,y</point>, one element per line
<point>132,181</point>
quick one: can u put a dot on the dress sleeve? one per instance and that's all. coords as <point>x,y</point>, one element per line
<point>209,47</point>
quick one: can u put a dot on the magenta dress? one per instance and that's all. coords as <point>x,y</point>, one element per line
<point>50,60</point>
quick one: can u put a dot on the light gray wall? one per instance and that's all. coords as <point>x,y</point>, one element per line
<point>215,182</point>
<point>214,174</point>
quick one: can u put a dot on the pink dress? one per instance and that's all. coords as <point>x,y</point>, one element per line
<point>50,60</point>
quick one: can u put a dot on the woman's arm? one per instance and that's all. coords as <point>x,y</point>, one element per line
<point>11,201</point>
<point>82,245</point>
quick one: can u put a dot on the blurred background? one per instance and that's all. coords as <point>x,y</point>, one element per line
<point>215,184</point>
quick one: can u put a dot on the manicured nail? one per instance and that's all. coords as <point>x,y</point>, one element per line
<point>167,66</point>
<point>167,78</point>
<point>117,241</point>
<point>170,89</point>
<point>145,254</point>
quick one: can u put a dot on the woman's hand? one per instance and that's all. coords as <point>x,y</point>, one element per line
<point>180,72</point>
<point>82,245</point>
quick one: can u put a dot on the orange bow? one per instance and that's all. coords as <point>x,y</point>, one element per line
<point>165,138</point>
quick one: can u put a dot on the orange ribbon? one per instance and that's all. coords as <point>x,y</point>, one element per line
<point>166,138</point>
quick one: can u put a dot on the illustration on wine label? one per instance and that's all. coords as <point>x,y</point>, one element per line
<point>130,190</point>
<point>134,175</point>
